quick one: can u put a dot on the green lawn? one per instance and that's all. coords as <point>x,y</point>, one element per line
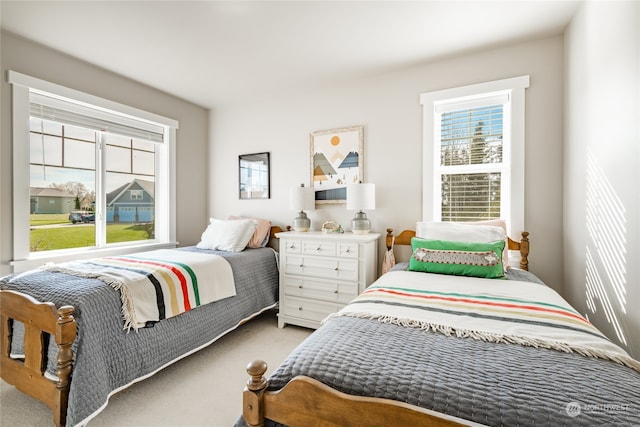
<point>48,219</point>
<point>77,236</point>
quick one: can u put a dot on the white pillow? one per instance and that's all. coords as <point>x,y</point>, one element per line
<point>230,236</point>
<point>260,237</point>
<point>459,232</point>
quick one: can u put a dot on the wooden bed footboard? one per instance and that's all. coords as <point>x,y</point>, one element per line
<point>27,374</point>
<point>306,402</point>
<point>404,238</point>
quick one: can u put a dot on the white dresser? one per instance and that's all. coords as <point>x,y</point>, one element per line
<point>320,273</point>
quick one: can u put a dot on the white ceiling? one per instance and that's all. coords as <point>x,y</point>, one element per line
<point>215,52</point>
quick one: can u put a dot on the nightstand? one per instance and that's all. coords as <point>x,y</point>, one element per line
<point>321,272</point>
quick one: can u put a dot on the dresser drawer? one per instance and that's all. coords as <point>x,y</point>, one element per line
<point>333,268</point>
<point>348,250</point>
<point>308,309</point>
<point>326,290</point>
<point>319,247</point>
<point>291,246</point>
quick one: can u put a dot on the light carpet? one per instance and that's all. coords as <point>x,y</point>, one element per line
<point>204,389</point>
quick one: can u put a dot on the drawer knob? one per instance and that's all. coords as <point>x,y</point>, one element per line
<point>299,308</point>
<point>335,292</point>
<point>336,269</point>
<point>292,246</point>
<point>348,251</point>
<point>301,265</point>
<point>318,248</point>
<point>300,286</point>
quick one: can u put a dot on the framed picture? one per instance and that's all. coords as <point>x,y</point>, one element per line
<point>336,160</point>
<point>254,176</point>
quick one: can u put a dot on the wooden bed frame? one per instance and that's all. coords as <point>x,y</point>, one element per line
<point>28,374</point>
<point>306,402</point>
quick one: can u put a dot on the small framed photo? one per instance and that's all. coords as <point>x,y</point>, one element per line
<point>254,176</point>
<point>336,160</point>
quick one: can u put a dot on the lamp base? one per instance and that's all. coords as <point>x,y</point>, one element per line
<point>301,222</point>
<point>360,224</point>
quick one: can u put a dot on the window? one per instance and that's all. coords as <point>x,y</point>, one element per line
<point>470,168</point>
<point>474,153</point>
<point>89,174</point>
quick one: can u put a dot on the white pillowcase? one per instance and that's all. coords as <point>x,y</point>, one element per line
<point>459,232</point>
<point>230,236</point>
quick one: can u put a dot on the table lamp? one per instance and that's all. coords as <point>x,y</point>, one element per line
<point>361,197</point>
<point>301,199</point>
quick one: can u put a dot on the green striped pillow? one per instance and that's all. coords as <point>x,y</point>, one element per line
<point>457,258</point>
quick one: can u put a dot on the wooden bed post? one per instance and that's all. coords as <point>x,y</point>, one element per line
<point>253,395</point>
<point>65,336</point>
<point>524,251</point>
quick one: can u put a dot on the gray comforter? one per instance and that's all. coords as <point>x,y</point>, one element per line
<point>488,383</point>
<point>107,358</point>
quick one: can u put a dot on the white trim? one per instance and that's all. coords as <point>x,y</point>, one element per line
<point>59,91</point>
<point>38,259</point>
<point>433,103</point>
<point>521,82</point>
<point>21,199</point>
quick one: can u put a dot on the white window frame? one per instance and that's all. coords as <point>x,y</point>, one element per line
<point>512,201</point>
<point>165,226</point>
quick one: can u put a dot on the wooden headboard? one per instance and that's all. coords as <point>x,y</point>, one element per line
<point>404,238</point>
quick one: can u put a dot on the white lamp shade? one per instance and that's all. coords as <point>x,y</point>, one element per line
<point>301,198</point>
<point>361,197</point>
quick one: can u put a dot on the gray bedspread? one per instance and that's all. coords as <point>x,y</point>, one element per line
<point>107,358</point>
<point>488,383</point>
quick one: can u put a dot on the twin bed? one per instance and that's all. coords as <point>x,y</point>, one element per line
<point>107,356</point>
<point>418,348</point>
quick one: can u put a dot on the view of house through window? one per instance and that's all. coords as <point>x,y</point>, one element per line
<point>64,201</point>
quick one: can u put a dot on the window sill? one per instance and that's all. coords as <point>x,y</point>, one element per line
<point>39,259</point>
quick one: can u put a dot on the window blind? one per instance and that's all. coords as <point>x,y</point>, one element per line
<point>471,136</point>
<point>45,106</point>
<point>471,197</point>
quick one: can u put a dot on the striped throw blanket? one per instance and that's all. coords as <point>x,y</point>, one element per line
<point>490,310</point>
<point>158,284</point>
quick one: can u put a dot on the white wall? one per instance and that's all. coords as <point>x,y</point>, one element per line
<point>601,233</point>
<point>35,60</point>
<point>388,107</point>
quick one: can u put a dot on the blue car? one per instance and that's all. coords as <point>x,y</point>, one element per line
<point>75,217</point>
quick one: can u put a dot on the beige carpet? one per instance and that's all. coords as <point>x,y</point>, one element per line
<point>204,389</point>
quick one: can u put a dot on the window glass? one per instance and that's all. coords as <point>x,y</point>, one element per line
<point>471,138</point>
<point>130,186</point>
<point>61,188</point>
<point>470,197</point>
